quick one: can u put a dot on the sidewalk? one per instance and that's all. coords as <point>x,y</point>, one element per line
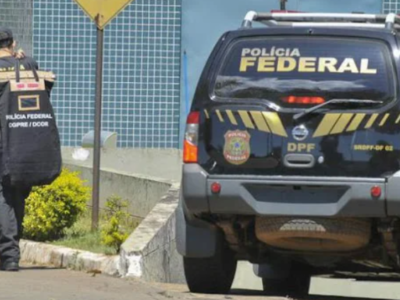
<point>43,283</point>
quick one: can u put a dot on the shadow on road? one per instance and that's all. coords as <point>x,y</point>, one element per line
<point>249,294</point>
<point>242,292</point>
<point>368,280</point>
<point>362,285</point>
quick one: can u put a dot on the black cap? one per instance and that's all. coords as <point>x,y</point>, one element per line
<point>5,34</point>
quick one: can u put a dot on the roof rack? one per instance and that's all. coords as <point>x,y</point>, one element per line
<point>389,21</point>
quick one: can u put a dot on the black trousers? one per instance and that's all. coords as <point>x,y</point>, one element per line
<point>12,210</point>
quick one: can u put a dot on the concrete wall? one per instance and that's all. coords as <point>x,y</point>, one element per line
<point>160,164</point>
<point>150,252</point>
<point>142,192</point>
<point>203,22</point>
<point>141,176</point>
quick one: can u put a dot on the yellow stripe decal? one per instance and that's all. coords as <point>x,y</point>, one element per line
<point>246,119</point>
<point>341,123</point>
<point>356,122</point>
<point>384,120</point>
<point>221,119</point>
<point>371,121</point>
<point>206,113</point>
<point>274,122</point>
<point>260,121</point>
<point>398,119</point>
<point>231,117</point>
<point>326,125</point>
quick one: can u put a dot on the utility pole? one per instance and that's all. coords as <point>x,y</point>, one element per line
<point>283,4</point>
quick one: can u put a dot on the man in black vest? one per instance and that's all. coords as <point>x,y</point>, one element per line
<point>12,200</point>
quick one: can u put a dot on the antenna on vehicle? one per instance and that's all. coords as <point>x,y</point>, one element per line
<point>390,20</point>
<point>283,4</point>
<point>248,19</point>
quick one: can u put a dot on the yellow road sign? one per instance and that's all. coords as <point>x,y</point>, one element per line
<point>105,10</point>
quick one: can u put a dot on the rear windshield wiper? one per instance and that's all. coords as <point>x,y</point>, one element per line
<point>339,102</point>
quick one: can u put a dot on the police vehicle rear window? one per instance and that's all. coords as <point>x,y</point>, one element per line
<point>294,72</point>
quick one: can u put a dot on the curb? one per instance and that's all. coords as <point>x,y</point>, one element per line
<point>150,253</point>
<point>62,257</point>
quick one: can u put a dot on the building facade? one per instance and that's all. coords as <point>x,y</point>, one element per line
<point>148,81</point>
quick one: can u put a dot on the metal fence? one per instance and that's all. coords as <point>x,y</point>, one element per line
<point>141,70</point>
<point>17,14</point>
<point>142,74</point>
<point>390,6</point>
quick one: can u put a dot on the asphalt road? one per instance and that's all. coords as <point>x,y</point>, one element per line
<point>46,283</point>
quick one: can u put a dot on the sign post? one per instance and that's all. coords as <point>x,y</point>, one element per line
<point>101,12</point>
<point>97,127</point>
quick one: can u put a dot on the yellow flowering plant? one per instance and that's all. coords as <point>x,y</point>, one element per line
<point>53,208</point>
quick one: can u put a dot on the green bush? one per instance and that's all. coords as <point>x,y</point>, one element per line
<point>116,223</point>
<point>51,209</point>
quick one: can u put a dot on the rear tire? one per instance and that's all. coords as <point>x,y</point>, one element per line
<point>213,275</point>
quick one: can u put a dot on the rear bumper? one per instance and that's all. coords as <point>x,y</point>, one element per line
<point>284,196</point>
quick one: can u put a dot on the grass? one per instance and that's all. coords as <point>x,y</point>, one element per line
<point>80,236</point>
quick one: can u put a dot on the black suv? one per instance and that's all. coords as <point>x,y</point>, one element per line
<point>292,151</point>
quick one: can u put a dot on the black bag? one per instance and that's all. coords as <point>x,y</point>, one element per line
<point>30,142</point>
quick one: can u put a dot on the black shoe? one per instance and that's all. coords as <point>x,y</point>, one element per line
<point>12,266</point>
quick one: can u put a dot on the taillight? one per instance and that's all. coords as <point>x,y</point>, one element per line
<point>303,100</point>
<point>376,191</point>
<point>190,151</point>
<point>216,188</point>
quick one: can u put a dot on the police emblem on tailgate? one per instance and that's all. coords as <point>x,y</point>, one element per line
<point>237,147</point>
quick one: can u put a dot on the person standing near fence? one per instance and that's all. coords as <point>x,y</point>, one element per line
<point>12,199</point>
